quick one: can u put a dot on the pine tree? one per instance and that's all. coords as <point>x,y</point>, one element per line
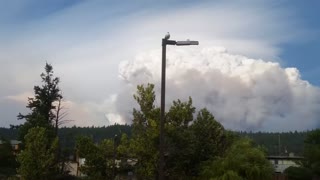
<point>43,116</point>
<point>42,104</point>
<point>38,159</point>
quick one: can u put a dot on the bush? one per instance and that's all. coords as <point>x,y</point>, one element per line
<point>298,173</point>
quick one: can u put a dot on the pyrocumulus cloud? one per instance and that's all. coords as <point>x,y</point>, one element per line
<point>242,93</point>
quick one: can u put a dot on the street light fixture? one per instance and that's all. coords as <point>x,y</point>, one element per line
<point>165,42</point>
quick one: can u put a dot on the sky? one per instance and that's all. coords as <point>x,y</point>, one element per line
<point>256,67</point>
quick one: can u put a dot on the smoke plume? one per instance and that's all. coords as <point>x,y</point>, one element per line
<point>242,93</point>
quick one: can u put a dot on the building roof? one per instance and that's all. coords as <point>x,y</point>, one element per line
<point>285,157</point>
<point>12,142</point>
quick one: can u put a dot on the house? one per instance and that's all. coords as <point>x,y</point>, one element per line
<point>14,144</point>
<point>74,166</point>
<point>280,163</point>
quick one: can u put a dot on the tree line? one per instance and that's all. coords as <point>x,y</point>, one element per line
<point>290,142</point>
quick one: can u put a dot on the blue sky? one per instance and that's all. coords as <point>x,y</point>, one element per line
<point>305,55</point>
<point>302,53</point>
<point>90,43</point>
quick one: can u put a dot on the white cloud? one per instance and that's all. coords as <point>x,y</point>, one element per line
<point>20,98</point>
<point>242,93</point>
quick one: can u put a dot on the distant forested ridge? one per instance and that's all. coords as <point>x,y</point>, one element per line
<point>8,133</point>
<point>290,142</point>
<point>68,135</point>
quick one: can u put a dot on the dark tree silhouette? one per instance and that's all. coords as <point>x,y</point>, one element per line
<point>42,104</point>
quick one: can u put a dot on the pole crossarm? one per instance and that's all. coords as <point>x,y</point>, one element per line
<point>179,43</point>
<point>168,42</point>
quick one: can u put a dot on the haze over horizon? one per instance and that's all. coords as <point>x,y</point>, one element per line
<point>257,66</point>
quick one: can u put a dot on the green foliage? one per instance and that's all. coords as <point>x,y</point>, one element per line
<point>290,142</point>
<point>68,136</point>
<point>312,151</point>
<point>124,153</point>
<point>145,137</point>
<point>230,175</point>
<point>241,161</point>
<point>8,163</point>
<point>124,149</point>
<point>210,135</point>
<point>180,140</point>
<point>98,158</point>
<point>186,145</point>
<point>41,116</point>
<point>311,164</point>
<point>180,114</point>
<point>84,146</point>
<point>191,142</point>
<point>37,160</point>
<point>9,133</point>
<point>190,145</point>
<point>298,173</point>
<point>41,105</point>
<point>145,98</point>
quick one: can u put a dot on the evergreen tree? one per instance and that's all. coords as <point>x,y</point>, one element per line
<point>43,116</point>
<point>42,104</point>
<point>37,160</point>
<point>312,152</point>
